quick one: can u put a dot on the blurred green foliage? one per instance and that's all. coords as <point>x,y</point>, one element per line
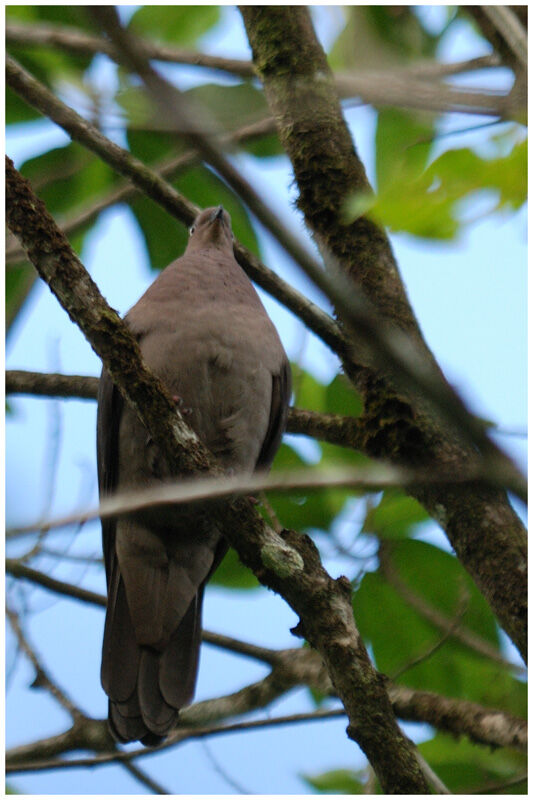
<point>416,193</point>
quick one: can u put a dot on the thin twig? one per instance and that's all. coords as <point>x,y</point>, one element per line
<point>224,774</point>
<point>127,191</point>
<point>431,776</point>
<point>144,778</point>
<point>433,648</point>
<point>42,678</point>
<point>178,206</point>
<point>408,87</point>
<point>372,478</point>
<point>435,617</point>
<point>509,26</point>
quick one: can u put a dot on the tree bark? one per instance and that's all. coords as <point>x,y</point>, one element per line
<point>482,527</point>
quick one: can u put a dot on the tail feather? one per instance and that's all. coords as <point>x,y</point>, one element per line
<point>120,652</point>
<point>145,705</point>
<point>179,661</point>
<point>125,727</point>
<point>157,714</point>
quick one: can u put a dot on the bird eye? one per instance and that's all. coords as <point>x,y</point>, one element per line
<point>192,229</point>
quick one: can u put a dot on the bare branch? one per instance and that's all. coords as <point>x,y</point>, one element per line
<point>77,41</point>
<point>127,191</point>
<point>371,478</point>
<point>407,87</point>
<point>42,678</point>
<point>482,725</point>
<point>395,90</point>
<point>47,384</point>
<point>144,778</point>
<point>18,569</point>
<point>508,25</point>
<point>151,184</point>
<point>431,776</point>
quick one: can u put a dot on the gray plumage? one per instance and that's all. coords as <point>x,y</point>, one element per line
<point>204,332</point>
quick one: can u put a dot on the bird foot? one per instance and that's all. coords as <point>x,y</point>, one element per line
<point>184,410</point>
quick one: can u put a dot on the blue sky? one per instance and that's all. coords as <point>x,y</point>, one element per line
<point>470,298</point>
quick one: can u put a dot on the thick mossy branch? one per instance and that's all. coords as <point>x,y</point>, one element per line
<point>322,604</point>
<point>482,527</point>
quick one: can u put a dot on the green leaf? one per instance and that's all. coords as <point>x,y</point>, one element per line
<point>72,15</point>
<point>17,110</point>
<point>395,517</point>
<point>399,633</point>
<point>182,25</point>
<point>337,397</point>
<point>431,204</point>
<point>304,509</point>
<point>233,575</point>
<point>336,781</point>
<point>342,398</point>
<point>230,106</point>
<point>380,37</point>
<point>68,178</point>
<point>308,391</point>
<point>467,768</point>
<point>403,142</point>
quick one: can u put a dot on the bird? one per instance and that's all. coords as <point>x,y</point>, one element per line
<point>204,332</point>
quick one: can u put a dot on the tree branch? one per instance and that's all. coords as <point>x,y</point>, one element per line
<point>42,678</point>
<point>47,384</point>
<point>479,522</point>
<point>390,348</point>
<point>288,563</point>
<point>151,184</point>
<point>301,666</point>
<point>332,428</point>
<point>407,87</point>
<point>127,191</point>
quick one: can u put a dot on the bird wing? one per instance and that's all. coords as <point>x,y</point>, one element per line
<point>279,409</point>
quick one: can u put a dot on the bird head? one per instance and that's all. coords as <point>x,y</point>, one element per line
<point>212,227</point>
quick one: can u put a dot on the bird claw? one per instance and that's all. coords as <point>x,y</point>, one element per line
<point>184,411</point>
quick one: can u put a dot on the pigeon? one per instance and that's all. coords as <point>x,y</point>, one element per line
<point>203,331</point>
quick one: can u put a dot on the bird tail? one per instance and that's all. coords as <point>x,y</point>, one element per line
<point>147,687</point>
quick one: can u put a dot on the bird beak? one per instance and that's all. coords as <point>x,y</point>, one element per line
<point>217,214</point>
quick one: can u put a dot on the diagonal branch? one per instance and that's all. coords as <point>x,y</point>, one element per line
<point>288,563</point>
<point>153,186</point>
<point>127,191</point>
<point>478,519</point>
<point>378,341</point>
<point>42,678</point>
